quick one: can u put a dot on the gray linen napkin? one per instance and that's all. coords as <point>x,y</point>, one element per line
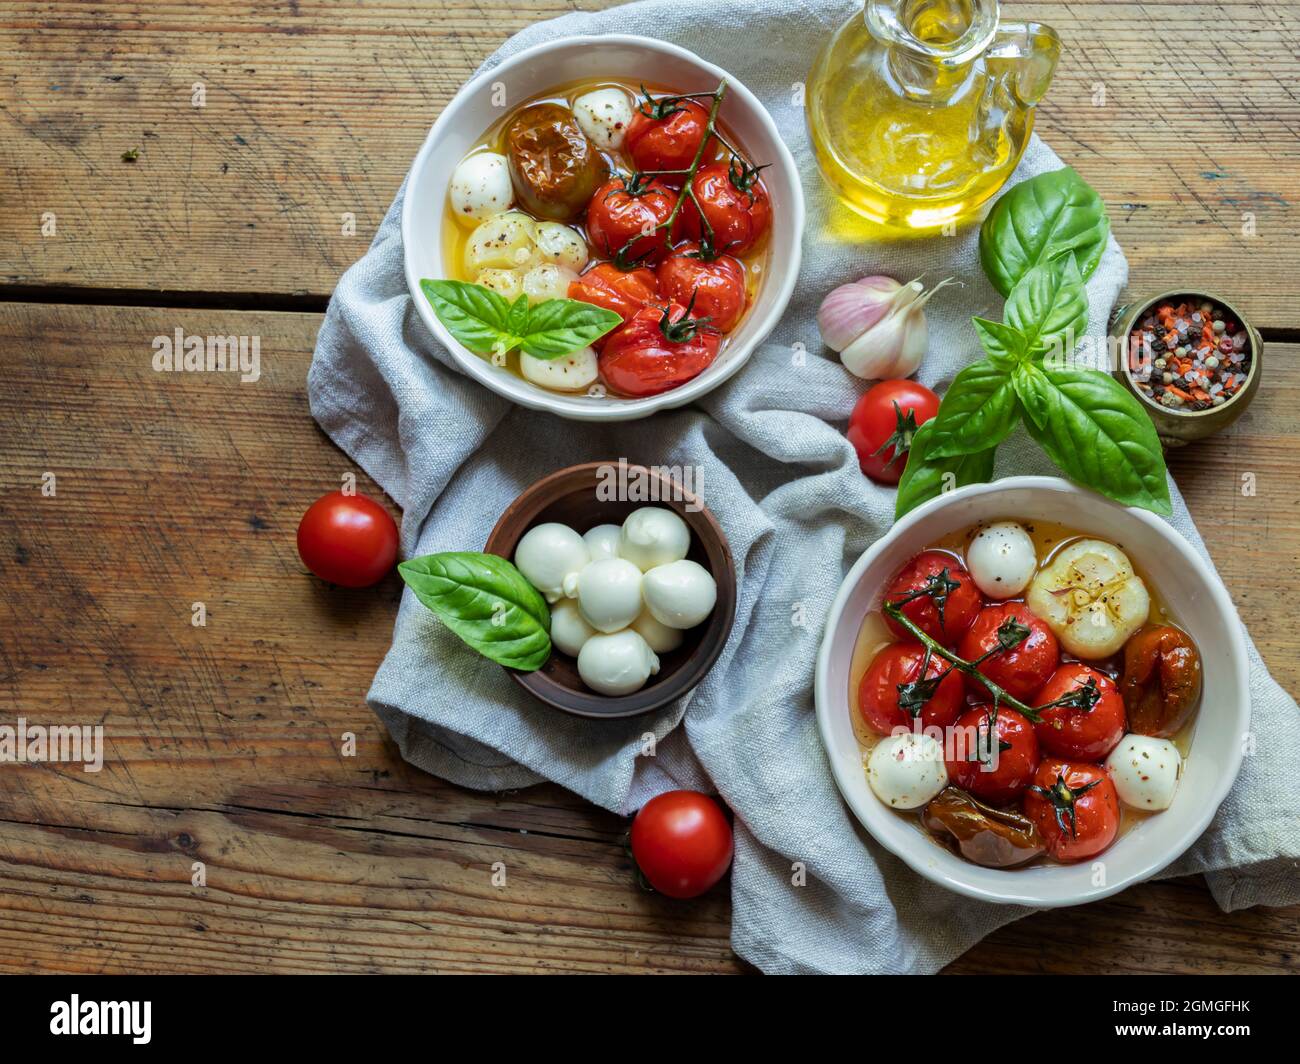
<point>780,476</point>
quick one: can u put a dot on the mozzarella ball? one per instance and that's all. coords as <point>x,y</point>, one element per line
<point>569,632</point>
<point>480,187</point>
<point>568,373</point>
<point>659,637</point>
<point>907,770</point>
<point>503,242</point>
<point>547,554</point>
<point>547,281</point>
<point>680,594</point>
<point>654,536</point>
<point>1002,560</point>
<point>609,593</point>
<point>604,115</point>
<point>507,282</point>
<point>602,541</point>
<point>561,246</point>
<point>616,664</point>
<point>1145,771</point>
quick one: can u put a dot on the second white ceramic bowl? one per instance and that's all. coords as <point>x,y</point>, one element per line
<point>562,62</point>
<point>1198,601</point>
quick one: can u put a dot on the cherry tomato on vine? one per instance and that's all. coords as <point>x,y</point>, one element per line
<point>624,216</point>
<point>733,204</point>
<point>996,767</point>
<point>347,539</point>
<point>665,134</point>
<point>682,843</point>
<point>717,285</point>
<point>1021,670</point>
<point>883,423</point>
<point>660,349</point>
<point>899,664</point>
<point>622,291</point>
<point>1075,808</point>
<point>1090,720</point>
<point>936,594</point>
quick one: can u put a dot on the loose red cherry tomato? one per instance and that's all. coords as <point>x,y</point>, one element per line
<point>883,423</point>
<point>1090,721</point>
<point>661,348</point>
<point>668,142</point>
<point>1075,808</point>
<point>624,216</point>
<point>734,205</point>
<point>937,595</point>
<point>994,767</point>
<point>682,843</point>
<point>1020,671</point>
<point>347,539</point>
<point>899,665</point>
<point>622,291</point>
<point>716,285</point>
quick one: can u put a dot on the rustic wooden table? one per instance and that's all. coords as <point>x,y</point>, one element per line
<point>224,742</point>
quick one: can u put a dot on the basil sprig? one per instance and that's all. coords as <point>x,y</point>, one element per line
<point>489,324</point>
<point>487,602</point>
<point>1039,245</point>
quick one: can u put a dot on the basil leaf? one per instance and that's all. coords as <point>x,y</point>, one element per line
<point>1049,307</point>
<point>1004,345</point>
<point>474,314</point>
<point>1096,432</point>
<point>979,411</point>
<point>926,477</point>
<point>487,602</point>
<point>517,318</point>
<point>1040,220</point>
<point>561,326</point>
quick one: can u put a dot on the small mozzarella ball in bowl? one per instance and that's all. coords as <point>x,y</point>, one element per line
<point>680,594</point>
<point>506,283</point>
<point>617,663</point>
<point>602,541</point>
<point>907,770</point>
<point>560,245</point>
<point>1002,560</point>
<point>653,536</point>
<point>609,593</point>
<point>549,553</point>
<point>604,115</point>
<point>568,373</point>
<point>480,187</point>
<point>547,281</point>
<point>569,629</point>
<point>505,241</point>
<point>659,637</point>
<point>1145,771</point>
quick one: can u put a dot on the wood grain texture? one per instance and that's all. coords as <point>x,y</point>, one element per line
<point>1185,116</point>
<point>225,743</point>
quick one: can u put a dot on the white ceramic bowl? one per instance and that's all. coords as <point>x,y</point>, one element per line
<point>559,63</point>
<point>1198,601</point>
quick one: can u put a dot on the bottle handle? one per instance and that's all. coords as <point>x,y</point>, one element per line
<point>1034,50</point>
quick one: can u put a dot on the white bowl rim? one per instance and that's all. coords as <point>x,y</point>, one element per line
<point>574,407</point>
<point>911,855</point>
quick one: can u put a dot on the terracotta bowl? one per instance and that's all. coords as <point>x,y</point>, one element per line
<point>571,496</point>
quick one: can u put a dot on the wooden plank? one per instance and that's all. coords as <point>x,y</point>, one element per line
<point>314,110</point>
<point>225,742</point>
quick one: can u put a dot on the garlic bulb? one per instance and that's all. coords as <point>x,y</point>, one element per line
<point>877,325</point>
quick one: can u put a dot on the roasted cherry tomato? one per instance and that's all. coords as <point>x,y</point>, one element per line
<point>1089,719</point>
<point>1075,808</point>
<point>734,205</point>
<point>994,838</point>
<point>1162,680</point>
<point>682,843</point>
<point>1020,671</point>
<point>665,134</point>
<point>996,767</point>
<point>347,539</point>
<point>937,594</point>
<point>660,349</point>
<point>893,695</point>
<point>553,167</point>
<point>883,423</point>
<point>717,285</point>
<point>622,291</point>
<point>624,216</point>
